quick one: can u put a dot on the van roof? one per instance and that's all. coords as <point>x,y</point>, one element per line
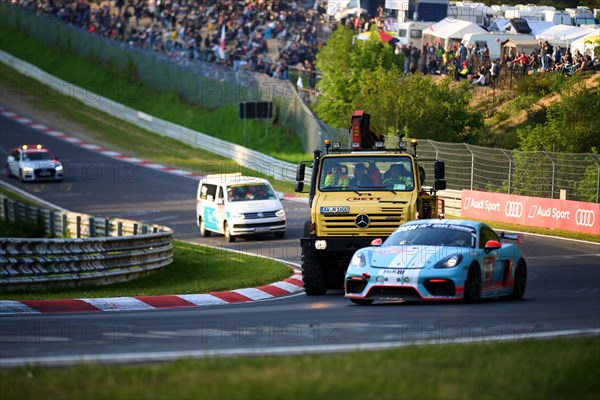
<point>235,178</point>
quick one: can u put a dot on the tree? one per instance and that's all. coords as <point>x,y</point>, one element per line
<point>369,77</point>
<point>571,126</point>
<point>343,63</point>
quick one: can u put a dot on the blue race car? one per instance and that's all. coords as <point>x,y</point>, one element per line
<point>437,260</point>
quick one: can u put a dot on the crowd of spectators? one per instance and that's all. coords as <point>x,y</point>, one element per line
<point>188,30</point>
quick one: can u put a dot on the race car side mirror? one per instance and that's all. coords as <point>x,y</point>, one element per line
<point>376,242</point>
<point>11,158</point>
<point>492,245</point>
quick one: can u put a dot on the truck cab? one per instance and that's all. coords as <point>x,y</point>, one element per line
<point>357,195</point>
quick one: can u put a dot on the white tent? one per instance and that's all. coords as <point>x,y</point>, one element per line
<point>538,27</point>
<point>563,32</point>
<point>449,31</point>
<point>587,43</point>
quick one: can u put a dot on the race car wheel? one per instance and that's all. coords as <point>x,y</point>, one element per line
<point>228,236</point>
<point>279,235</point>
<point>203,231</point>
<point>313,276</point>
<point>362,302</point>
<point>21,176</point>
<point>473,284</point>
<point>520,280</point>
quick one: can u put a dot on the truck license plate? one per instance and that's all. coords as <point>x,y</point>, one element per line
<point>335,210</point>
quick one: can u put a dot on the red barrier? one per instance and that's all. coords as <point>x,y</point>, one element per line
<point>567,215</point>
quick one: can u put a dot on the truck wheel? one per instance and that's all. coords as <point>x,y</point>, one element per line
<point>315,279</point>
<point>228,236</point>
<point>520,280</point>
<point>203,231</point>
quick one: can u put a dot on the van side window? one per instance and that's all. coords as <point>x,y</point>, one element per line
<point>208,190</point>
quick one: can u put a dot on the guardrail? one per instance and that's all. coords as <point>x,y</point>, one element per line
<point>94,251</point>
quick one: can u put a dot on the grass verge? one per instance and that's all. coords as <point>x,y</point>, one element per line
<point>547,369</point>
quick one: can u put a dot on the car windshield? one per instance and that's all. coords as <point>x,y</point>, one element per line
<point>369,172</point>
<point>37,156</point>
<point>259,191</point>
<point>433,235</point>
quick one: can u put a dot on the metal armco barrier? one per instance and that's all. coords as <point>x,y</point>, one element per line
<point>89,260</point>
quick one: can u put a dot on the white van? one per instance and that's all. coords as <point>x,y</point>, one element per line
<point>234,205</point>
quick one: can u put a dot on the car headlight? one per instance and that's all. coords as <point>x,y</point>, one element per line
<point>237,215</point>
<point>58,168</point>
<point>358,260</point>
<point>28,170</point>
<point>280,213</point>
<point>450,261</point>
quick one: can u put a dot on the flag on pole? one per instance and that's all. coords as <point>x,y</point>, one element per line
<point>222,43</point>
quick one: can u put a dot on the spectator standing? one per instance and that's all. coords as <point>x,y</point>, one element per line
<point>494,73</point>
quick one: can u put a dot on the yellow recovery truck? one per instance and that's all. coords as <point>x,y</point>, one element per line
<point>357,195</point>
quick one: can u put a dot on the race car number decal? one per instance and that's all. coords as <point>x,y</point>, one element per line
<point>335,210</point>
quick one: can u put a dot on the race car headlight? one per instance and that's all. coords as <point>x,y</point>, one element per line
<point>28,170</point>
<point>450,261</point>
<point>237,215</point>
<point>280,213</point>
<point>58,168</point>
<point>358,260</point>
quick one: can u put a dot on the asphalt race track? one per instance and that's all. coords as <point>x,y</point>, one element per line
<point>562,298</point>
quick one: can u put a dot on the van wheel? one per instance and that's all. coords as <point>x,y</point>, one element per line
<point>203,231</point>
<point>228,236</point>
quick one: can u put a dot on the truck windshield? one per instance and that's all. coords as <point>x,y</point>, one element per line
<point>368,172</point>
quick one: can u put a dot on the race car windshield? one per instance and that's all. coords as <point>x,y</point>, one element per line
<point>433,235</point>
<point>37,156</point>
<point>250,192</point>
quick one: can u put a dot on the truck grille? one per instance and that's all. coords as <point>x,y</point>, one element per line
<point>380,223</point>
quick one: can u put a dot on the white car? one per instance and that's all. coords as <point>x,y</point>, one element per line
<point>33,163</point>
<point>236,205</point>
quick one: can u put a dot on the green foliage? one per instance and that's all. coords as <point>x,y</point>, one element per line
<point>572,125</point>
<point>369,77</point>
<point>588,187</point>
<point>22,229</point>
<point>343,63</point>
<point>541,84</point>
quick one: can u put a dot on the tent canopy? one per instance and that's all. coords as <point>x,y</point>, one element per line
<point>450,29</point>
<point>563,32</point>
<point>586,44</point>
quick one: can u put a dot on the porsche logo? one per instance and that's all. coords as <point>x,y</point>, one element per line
<point>362,221</point>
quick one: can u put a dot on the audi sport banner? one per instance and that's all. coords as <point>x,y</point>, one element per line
<point>533,211</point>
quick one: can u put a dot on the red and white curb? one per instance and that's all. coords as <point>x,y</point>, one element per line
<point>137,303</point>
<point>93,147</point>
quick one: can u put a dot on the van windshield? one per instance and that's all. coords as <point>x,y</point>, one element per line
<point>259,191</point>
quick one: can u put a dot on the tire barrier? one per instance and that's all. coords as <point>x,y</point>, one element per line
<point>122,251</point>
